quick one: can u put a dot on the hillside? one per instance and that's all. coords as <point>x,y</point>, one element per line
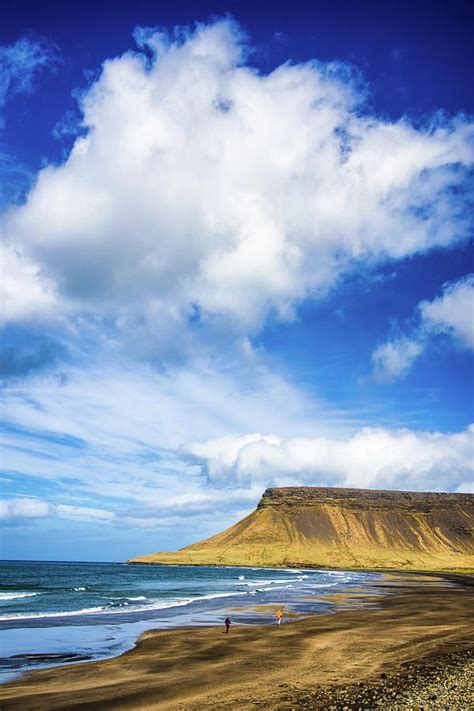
<point>343,528</point>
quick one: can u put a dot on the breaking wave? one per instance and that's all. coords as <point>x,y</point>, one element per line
<point>15,595</point>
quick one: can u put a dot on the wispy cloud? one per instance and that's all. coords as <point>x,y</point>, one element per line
<point>15,177</point>
<point>145,449</point>
<point>111,436</point>
<point>395,358</point>
<point>21,66</point>
<point>16,509</point>
<point>451,315</point>
<point>13,509</point>
<point>23,62</point>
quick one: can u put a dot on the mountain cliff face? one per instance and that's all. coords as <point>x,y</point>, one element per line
<point>343,528</point>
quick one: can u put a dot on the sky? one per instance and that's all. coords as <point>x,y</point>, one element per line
<point>236,244</point>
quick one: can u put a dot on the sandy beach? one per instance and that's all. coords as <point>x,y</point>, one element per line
<point>414,650</point>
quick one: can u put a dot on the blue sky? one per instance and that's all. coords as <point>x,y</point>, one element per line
<point>236,253</point>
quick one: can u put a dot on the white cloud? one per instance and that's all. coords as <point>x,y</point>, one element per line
<point>196,503</point>
<point>21,508</point>
<point>394,358</point>
<point>109,442</point>
<point>466,488</point>
<point>206,188</point>
<point>81,513</point>
<point>451,314</point>
<point>204,510</point>
<point>223,451</point>
<point>21,65</point>
<point>205,198</point>
<point>22,62</point>
<point>134,522</point>
<point>371,458</point>
<point>11,509</point>
<point>114,433</point>
<point>24,293</point>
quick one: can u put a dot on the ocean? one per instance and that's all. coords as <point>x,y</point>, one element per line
<point>58,612</point>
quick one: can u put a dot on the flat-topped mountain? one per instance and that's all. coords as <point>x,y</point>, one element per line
<point>343,528</point>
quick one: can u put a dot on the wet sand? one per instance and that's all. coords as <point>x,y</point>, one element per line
<point>354,658</point>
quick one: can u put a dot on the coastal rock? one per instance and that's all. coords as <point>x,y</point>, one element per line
<point>343,528</point>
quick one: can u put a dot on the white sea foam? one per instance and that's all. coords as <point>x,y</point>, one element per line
<point>79,589</point>
<point>154,605</point>
<point>335,573</point>
<point>270,581</point>
<point>39,615</point>
<point>136,598</point>
<point>4,596</point>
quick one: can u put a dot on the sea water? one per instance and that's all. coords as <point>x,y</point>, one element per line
<point>52,612</point>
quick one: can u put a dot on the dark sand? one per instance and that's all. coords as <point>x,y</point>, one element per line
<point>355,658</point>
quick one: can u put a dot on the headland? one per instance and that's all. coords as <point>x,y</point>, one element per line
<point>343,528</point>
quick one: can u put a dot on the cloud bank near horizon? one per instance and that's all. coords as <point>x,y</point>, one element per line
<point>234,471</point>
<point>374,457</point>
<point>148,449</point>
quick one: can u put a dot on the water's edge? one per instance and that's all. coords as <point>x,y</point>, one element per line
<point>69,613</point>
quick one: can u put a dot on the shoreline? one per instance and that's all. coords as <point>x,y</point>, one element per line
<point>320,659</point>
<point>461,572</point>
<point>201,597</point>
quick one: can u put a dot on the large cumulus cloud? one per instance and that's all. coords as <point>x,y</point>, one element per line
<point>373,457</point>
<point>207,192</point>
